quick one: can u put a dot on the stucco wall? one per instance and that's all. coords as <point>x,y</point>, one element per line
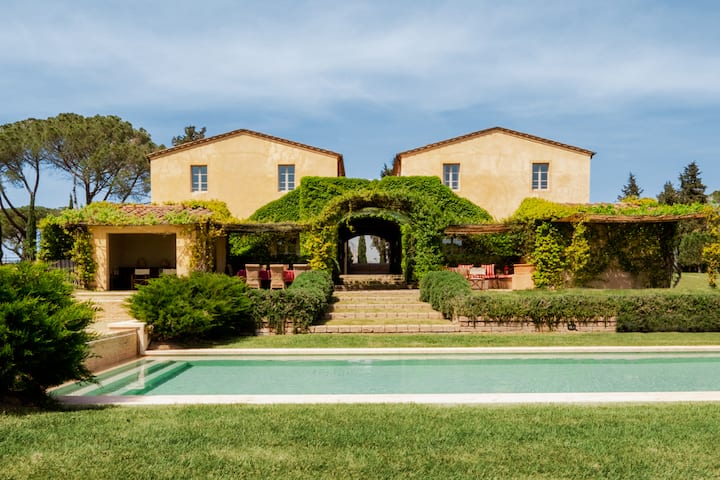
<point>496,171</point>
<point>242,171</point>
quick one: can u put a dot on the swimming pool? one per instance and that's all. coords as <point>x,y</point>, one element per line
<point>473,375</point>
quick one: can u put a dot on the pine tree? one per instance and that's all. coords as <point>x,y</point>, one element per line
<point>631,189</point>
<point>669,195</point>
<point>691,189</point>
<point>190,135</point>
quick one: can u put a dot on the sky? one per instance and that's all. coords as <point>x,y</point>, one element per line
<point>637,82</point>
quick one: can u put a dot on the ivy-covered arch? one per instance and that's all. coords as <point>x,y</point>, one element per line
<point>376,222</point>
<point>419,207</point>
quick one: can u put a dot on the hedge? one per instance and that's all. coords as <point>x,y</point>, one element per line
<point>640,311</point>
<point>303,303</point>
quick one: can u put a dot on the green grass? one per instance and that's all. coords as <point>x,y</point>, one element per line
<point>470,340</point>
<point>364,442</point>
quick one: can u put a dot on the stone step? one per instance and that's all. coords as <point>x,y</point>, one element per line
<point>111,305</point>
<point>409,328</point>
<point>384,315</point>
<point>364,282</point>
<point>381,307</point>
<point>389,296</point>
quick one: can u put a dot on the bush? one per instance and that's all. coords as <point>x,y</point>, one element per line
<point>444,290</point>
<point>303,303</point>
<point>669,313</point>
<point>203,305</point>
<point>43,336</point>
<point>449,293</point>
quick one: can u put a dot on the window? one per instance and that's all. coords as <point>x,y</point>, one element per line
<point>286,178</point>
<point>451,175</point>
<point>540,176</point>
<point>198,173</point>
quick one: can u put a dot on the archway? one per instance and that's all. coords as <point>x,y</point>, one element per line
<point>389,239</point>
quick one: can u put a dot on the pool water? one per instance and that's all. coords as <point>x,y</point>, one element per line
<point>408,374</point>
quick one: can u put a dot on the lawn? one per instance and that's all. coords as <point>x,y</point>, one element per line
<point>364,442</point>
<point>468,340</point>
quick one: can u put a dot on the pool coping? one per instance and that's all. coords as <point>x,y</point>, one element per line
<point>433,399</point>
<point>425,350</point>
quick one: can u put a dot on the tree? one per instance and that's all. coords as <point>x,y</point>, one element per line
<point>13,228</point>
<point>714,198</point>
<point>23,151</point>
<point>190,135</point>
<point>103,155</point>
<point>382,246</point>
<point>669,195</point>
<point>691,249</point>
<point>386,171</point>
<point>362,250</point>
<point>631,189</point>
<point>691,188</point>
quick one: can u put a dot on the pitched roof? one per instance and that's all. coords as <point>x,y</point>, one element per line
<point>161,211</point>
<point>235,133</point>
<point>489,131</point>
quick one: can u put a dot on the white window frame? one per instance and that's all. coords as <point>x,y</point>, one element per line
<point>286,178</point>
<point>198,178</point>
<point>540,176</point>
<point>451,175</point>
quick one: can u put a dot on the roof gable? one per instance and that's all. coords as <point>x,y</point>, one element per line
<point>489,131</point>
<point>237,133</point>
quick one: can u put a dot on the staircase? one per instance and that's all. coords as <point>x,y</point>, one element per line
<point>111,307</point>
<point>382,311</point>
<point>372,282</point>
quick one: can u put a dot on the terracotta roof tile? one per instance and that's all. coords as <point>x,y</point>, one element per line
<point>160,211</point>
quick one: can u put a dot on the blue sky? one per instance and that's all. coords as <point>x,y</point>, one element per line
<point>638,82</point>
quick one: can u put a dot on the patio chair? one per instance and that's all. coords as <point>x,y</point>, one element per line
<point>477,277</point>
<point>490,274</point>
<point>300,268</point>
<point>276,276</point>
<point>252,275</point>
<point>140,276</point>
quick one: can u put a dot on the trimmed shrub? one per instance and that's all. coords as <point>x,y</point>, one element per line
<point>669,313</point>
<point>43,336</point>
<point>445,291</point>
<point>303,303</point>
<point>201,306</point>
<point>449,293</point>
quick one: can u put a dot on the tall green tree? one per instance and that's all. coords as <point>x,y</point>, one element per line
<point>630,189</point>
<point>691,190</point>
<point>190,135</point>
<point>669,195</point>
<point>23,154</point>
<point>362,250</point>
<point>386,171</point>
<point>104,156</point>
<point>13,228</point>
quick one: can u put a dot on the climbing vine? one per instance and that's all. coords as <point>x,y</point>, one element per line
<point>81,254</point>
<point>579,255</point>
<point>548,257</point>
<point>711,252</point>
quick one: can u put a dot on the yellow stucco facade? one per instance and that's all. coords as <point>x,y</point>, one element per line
<point>244,169</point>
<point>494,169</point>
